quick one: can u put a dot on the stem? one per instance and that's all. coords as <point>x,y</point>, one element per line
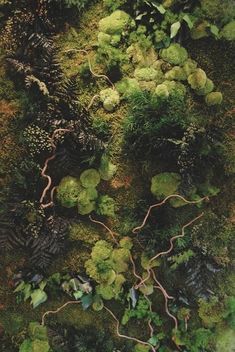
<point>105,226</point>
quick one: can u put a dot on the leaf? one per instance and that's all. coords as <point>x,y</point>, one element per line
<point>107,170</point>
<point>160,8</point>
<point>133,296</point>
<point>78,294</point>
<point>175,28</point>
<point>86,301</point>
<point>27,292</point>
<point>139,17</point>
<point>38,297</point>
<point>153,340</point>
<point>188,20</point>
<point>20,287</point>
<point>42,285</point>
<point>214,30</point>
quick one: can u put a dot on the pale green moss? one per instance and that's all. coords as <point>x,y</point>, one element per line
<point>116,23</point>
<point>162,91</point>
<point>228,32</point>
<point>141,57</point>
<point>197,80</point>
<point>68,191</point>
<point>127,86</point>
<point>148,74</point>
<point>83,232</point>
<point>189,66</point>
<point>208,88</point>
<point>176,73</point>
<point>175,54</point>
<point>110,99</point>
<point>214,98</point>
<point>164,184</point>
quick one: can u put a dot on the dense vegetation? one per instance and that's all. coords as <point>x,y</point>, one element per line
<point>116,173</point>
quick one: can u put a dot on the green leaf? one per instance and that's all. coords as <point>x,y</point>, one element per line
<point>139,17</point>
<point>86,301</point>
<point>214,30</point>
<point>78,294</point>
<point>38,297</point>
<point>160,8</point>
<point>42,284</point>
<point>175,28</point>
<point>20,287</point>
<point>153,340</point>
<point>188,20</point>
<point>27,292</point>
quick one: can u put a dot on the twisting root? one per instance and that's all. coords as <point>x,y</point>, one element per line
<point>176,237</point>
<point>150,320</point>
<point>138,228</point>
<point>92,101</point>
<point>57,310</point>
<point>43,172</point>
<point>90,67</point>
<point>105,226</point>
<point>166,307</point>
<point>134,269</point>
<point>159,284</point>
<point>51,203</point>
<point>125,336</point>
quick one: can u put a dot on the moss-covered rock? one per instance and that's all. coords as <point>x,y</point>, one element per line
<point>68,191</point>
<point>214,98</point>
<point>110,99</point>
<point>116,23</point>
<point>197,80</point>
<point>141,57</point>
<point>127,86</point>
<point>228,31</point>
<point>174,87</point>
<point>175,54</point>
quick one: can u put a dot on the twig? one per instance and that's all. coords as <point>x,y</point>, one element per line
<point>105,226</point>
<point>43,172</point>
<point>138,228</point>
<point>57,310</point>
<point>167,309</point>
<point>125,336</point>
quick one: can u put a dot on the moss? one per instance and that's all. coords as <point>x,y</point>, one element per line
<point>175,54</point>
<point>148,74</point>
<point>200,30</point>
<point>176,73</point>
<point>209,86</point>
<point>116,23</point>
<point>83,232</point>
<point>189,66</point>
<point>175,88</point>
<point>162,91</point>
<point>211,312</point>
<point>214,98</point>
<point>162,185</point>
<point>141,57</point>
<point>228,31</point>
<point>225,340</point>
<point>197,80</point>
<point>110,99</point>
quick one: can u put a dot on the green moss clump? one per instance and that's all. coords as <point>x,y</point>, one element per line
<point>189,66</point>
<point>68,191</point>
<point>214,98</point>
<point>106,206</point>
<point>208,88</point>
<point>225,340</point>
<point>110,99</point>
<point>148,74</point>
<point>162,91</point>
<point>116,23</point>
<point>200,30</point>
<point>127,86</point>
<point>197,80</point>
<point>175,54</point>
<point>211,312</point>
<point>176,73</point>
<point>90,178</point>
<point>83,232</point>
<point>228,32</point>
<point>162,185</point>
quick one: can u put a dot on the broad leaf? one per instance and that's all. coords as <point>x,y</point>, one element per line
<point>188,20</point>
<point>160,8</point>
<point>86,301</point>
<point>38,297</point>
<point>77,294</point>
<point>214,30</point>
<point>175,28</point>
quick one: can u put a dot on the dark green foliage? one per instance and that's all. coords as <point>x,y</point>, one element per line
<point>153,122</point>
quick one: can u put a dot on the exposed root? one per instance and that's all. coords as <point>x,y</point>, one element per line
<point>138,228</point>
<point>90,67</point>
<point>125,336</point>
<point>57,310</point>
<point>43,172</point>
<point>167,309</point>
<point>106,228</point>
<point>92,101</point>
